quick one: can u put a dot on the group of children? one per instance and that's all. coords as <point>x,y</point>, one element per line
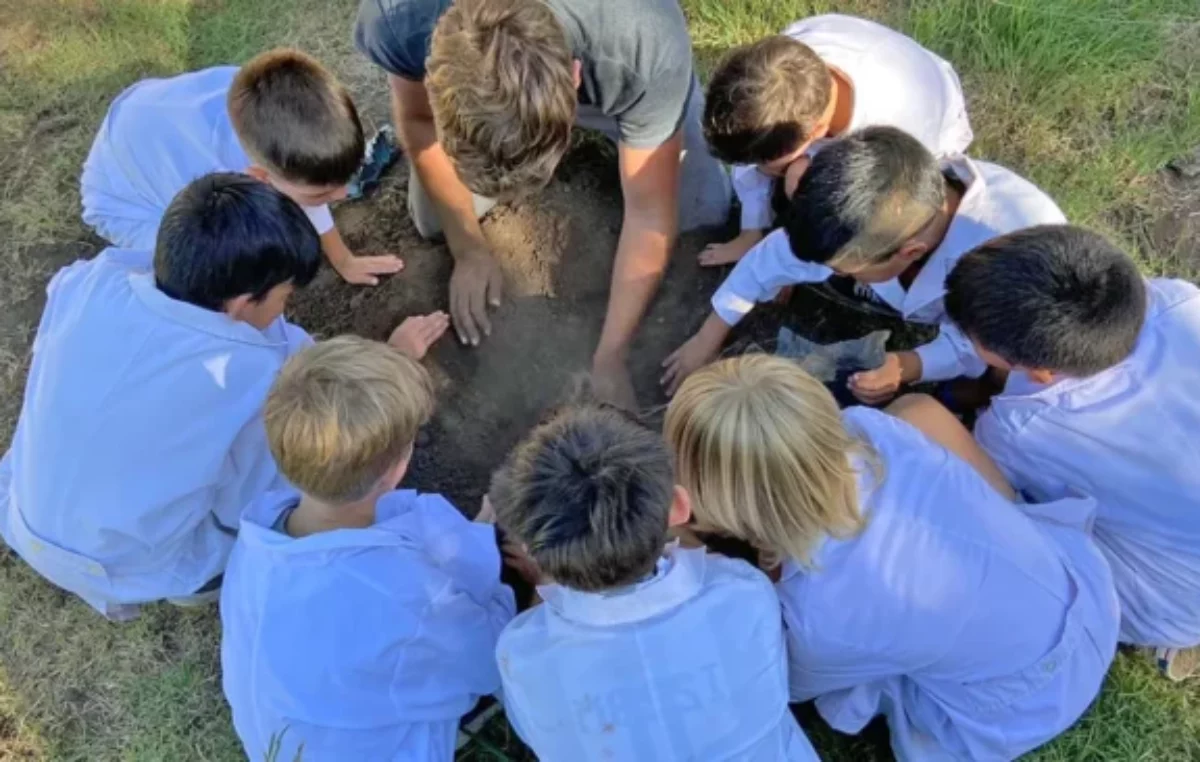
<point>180,440</point>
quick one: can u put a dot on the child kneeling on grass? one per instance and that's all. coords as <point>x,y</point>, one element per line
<point>282,118</point>
<point>641,650</point>
<point>1103,397</point>
<point>876,206</point>
<point>140,438</point>
<point>771,102</point>
<point>359,620</point>
<point>912,586</point>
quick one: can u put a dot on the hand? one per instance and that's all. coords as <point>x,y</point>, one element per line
<point>487,512</point>
<point>694,354</point>
<point>364,271</point>
<point>731,251</point>
<point>417,334</point>
<point>475,285</point>
<point>874,387</point>
<point>517,559</point>
<point>611,382</point>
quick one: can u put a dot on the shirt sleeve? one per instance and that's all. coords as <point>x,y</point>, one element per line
<point>1008,445</point>
<point>395,34</point>
<point>950,355</point>
<point>765,269</point>
<point>660,112</point>
<point>320,217</point>
<point>753,189</point>
<point>957,134</point>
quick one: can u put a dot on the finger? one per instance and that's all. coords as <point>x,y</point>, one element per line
<point>668,378</point>
<point>479,316</point>
<point>433,330</point>
<point>672,358</point>
<point>495,290</point>
<point>385,265</point>
<point>676,382</point>
<point>463,325</point>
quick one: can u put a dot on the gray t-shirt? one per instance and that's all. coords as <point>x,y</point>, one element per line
<point>636,55</point>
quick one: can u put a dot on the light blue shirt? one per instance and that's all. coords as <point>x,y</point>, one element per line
<point>688,665</point>
<point>980,632</point>
<point>140,438</point>
<point>1127,437</point>
<point>158,136</point>
<point>361,644</point>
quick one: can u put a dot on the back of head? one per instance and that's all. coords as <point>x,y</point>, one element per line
<point>225,235</point>
<point>589,493</point>
<point>862,197</point>
<point>1054,297</point>
<point>760,446</point>
<point>502,88</point>
<point>343,414</point>
<point>295,119</point>
<point>765,100</point>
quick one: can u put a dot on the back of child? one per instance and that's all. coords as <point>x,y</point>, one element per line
<point>139,439</point>
<point>640,650</point>
<point>1103,399</point>
<point>359,621</point>
<point>281,111</point>
<point>910,586</point>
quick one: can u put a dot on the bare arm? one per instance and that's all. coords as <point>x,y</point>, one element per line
<point>650,182</point>
<point>476,280</point>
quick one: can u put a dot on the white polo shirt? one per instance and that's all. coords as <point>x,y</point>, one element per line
<point>996,201</point>
<point>897,83</point>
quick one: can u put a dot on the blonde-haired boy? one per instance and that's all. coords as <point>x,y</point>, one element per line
<point>359,620</point>
<point>282,118</point>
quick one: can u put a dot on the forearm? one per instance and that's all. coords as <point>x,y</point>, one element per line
<point>910,367</point>
<point>335,249</point>
<point>642,255</point>
<point>453,201</point>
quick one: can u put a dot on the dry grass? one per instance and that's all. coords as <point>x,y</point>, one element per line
<point>1088,97</point>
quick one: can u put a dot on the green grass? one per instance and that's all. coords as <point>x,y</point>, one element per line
<point>1090,98</point>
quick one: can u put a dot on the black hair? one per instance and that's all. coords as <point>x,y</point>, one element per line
<point>227,234</point>
<point>589,493</point>
<point>1054,297</point>
<point>872,181</point>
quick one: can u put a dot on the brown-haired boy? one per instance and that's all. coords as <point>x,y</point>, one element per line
<point>770,101</point>
<point>282,118</point>
<point>359,620</point>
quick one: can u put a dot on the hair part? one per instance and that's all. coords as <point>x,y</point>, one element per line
<point>765,100</point>
<point>761,447</point>
<point>343,413</point>
<point>501,83</point>
<point>1054,297</point>
<point>589,493</point>
<point>294,118</point>
<point>862,197</point>
<point>225,235</point>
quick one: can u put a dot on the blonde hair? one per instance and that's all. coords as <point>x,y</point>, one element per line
<point>762,449</point>
<point>293,117</point>
<point>343,413</point>
<point>502,89</point>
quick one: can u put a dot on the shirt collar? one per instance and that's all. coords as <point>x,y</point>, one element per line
<point>214,323</point>
<point>395,524</point>
<point>678,577</point>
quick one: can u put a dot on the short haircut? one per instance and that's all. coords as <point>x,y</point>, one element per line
<point>760,446</point>
<point>343,413</point>
<point>589,493</point>
<point>225,235</point>
<point>863,196</point>
<point>1054,297</point>
<point>502,89</point>
<point>293,117</point>
<point>764,100</point>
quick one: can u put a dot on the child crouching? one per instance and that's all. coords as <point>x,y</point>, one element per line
<point>359,621</point>
<point>910,585</point>
<point>641,650</point>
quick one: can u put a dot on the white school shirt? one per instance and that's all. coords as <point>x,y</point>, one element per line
<point>897,83</point>
<point>996,201</point>
<point>140,439</point>
<point>978,631</point>
<point>158,136</point>
<point>1126,436</point>
<point>361,644</point>
<point>688,665</point>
